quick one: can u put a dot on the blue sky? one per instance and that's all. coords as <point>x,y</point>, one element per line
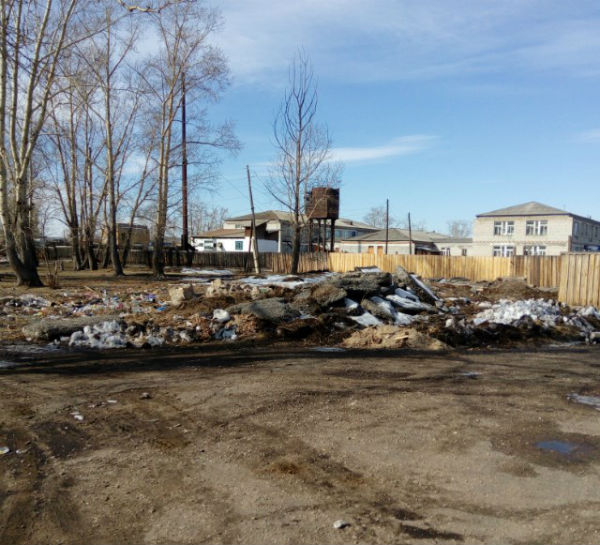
<point>449,108</point>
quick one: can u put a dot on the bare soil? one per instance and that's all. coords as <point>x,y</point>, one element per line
<point>272,445</point>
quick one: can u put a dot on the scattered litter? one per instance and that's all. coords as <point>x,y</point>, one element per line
<point>145,395</point>
<point>4,450</point>
<point>592,401</point>
<point>100,336</point>
<point>77,416</point>
<point>221,315</point>
<point>111,401</point>
<point>340,524</point>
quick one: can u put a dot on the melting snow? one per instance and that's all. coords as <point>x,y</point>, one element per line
<point>206,272</point>
<point>366,319</point>
<point>508,312</point>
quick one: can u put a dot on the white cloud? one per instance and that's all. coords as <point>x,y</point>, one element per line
<point>381,40</point>
<point>404,145</point>
<point>591,136</point>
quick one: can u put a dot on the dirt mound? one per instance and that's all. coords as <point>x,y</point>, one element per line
<point>513,288</point>
<point>388,336</point>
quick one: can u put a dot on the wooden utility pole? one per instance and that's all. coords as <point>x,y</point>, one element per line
<point>185,241</point>
<point>387,224</point>
<point>410,243</point>
<point>253,241</point>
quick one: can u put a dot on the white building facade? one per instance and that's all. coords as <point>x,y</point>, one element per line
<point>533,229</point>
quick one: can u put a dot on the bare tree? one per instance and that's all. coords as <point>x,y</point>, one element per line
<point>459,228</point>
<point>205,218</point>
<point>376,217</point>
<point>183,31</point>
<point>304,150</point>
<point>33,36</point>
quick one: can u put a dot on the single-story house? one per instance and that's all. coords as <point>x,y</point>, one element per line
<point>399,242</point>
<point>278,223</point>
<point>234,240</point>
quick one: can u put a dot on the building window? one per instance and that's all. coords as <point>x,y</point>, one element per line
<point>463,252</point>
<point>445,251</point>
<point>575,228</point>
<point>239,245</point>
<point>504,251</point>
<point>505,228</point>
<point>534,250</point>
<point>536,227</point>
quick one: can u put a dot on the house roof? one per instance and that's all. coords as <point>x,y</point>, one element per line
<point>283,215</point>
<point>526,209</point>
<point>222,233</point>
<point>401,235</point>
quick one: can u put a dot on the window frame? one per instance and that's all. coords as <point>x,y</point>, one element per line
<point>504,228</point>
<point>239,245</point>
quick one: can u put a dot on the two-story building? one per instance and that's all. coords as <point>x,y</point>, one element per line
<point>533,229</point>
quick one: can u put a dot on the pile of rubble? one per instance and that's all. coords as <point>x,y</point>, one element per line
<point>364,308</point>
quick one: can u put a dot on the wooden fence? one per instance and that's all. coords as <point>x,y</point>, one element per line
<point>580,280</point>
<point>542,271</point>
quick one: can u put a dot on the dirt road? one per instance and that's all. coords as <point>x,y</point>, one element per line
<point>273,446</point>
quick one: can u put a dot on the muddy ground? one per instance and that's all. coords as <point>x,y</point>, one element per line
<point>273,445</point>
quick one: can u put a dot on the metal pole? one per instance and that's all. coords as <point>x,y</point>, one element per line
<point>410,243</point>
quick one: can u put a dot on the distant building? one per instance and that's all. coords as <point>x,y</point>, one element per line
<point>140,234</point>
<point>278,226</point>
<point>234,240</point>
<point>533,229</point>
<point>423,242</point>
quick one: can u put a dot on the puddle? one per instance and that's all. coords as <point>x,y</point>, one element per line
<point>561,447</point>
<point>327,349</point>
<point>470,374</point>
<point>592,401</point>
<point>29,348</point>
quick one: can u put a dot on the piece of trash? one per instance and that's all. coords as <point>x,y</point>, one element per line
<point>592,401</point>
<point>161,308</point>
<point>111,401</point>
<point>22,451</point>
<point>77,416</point>
<point>145,395</point>
<point>340,524</point>
<point>4,450</point>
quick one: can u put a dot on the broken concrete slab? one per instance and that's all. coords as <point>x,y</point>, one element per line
<point>358,285</point>
<point>49,329</point>
<point>274,309</point>
<point>326,294</point>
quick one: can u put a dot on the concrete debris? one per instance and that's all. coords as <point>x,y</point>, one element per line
<point>48,329</point>
<point>181,293</point>
<point>274,309</point>
<point>320,309</point>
